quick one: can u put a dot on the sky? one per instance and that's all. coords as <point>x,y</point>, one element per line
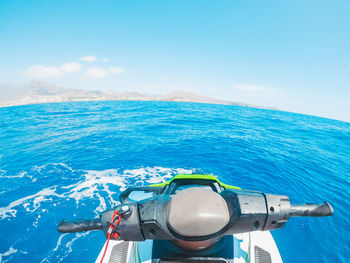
<point>294,55</point>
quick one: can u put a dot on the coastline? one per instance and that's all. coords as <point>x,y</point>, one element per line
<point>14,104</point>
<point>38,92</point>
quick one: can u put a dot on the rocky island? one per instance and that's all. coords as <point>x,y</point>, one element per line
<point>41,92</point>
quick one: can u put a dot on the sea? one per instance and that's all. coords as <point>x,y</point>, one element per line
<point>72,160</point>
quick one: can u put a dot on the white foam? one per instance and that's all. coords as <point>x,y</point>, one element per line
<point>10,252</point>
<point>90,187</point>
<point>8,211</point>
<point>59,242</point>
<point>95,184</point>
<point>19,175</point>
<point>70,243</point>
<point>155,174</point>
<point>56,253</point>
<point>99,185</point>
<point>39,168</point>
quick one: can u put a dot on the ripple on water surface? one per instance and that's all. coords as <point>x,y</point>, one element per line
<point>71,160</point>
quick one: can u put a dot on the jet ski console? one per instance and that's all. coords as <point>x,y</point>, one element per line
<point>196,214</point>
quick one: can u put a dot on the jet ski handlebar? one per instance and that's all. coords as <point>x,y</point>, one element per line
<point>198,214</point>
<point>79,225</point>
<point>314,210</point>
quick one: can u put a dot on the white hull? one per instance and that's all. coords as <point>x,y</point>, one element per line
<point>253,247</point>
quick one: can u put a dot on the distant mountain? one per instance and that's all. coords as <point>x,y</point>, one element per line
<point>42,92</point>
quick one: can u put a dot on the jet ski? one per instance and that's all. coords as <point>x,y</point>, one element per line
<point>193,218</point>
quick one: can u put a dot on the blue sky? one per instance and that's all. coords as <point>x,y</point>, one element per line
<point>294,55</point>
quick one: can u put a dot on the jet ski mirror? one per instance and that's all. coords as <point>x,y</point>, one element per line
<point>137,193</point>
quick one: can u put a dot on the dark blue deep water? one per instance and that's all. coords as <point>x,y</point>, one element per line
<point>69,160</point>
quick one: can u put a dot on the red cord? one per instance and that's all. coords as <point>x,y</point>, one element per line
<point>110,229</point>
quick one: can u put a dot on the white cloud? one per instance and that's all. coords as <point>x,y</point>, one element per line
<point>96,73</point>
<point>253,88</point>
<point>42,71</point>
<point>90,58</point>
<point>70,67</point>
<point>255,94</point>
<point>116,70</point>
<point>105,60</point>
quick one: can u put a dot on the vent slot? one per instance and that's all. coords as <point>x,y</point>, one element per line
<point>261,255</point>
<point>119,253</point>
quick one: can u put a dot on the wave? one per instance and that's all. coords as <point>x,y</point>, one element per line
<point>90,188</point>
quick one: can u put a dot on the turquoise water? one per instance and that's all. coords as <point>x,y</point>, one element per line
<point>71,160</point>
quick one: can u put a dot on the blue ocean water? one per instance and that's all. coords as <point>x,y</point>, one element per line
<point>71,160</point>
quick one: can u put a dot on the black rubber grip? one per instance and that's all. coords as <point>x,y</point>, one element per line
<point>79,225</point>
<point>313,210</point>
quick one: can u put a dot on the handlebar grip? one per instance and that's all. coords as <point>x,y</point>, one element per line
<point>79,225</point>
<point>313,210</point>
